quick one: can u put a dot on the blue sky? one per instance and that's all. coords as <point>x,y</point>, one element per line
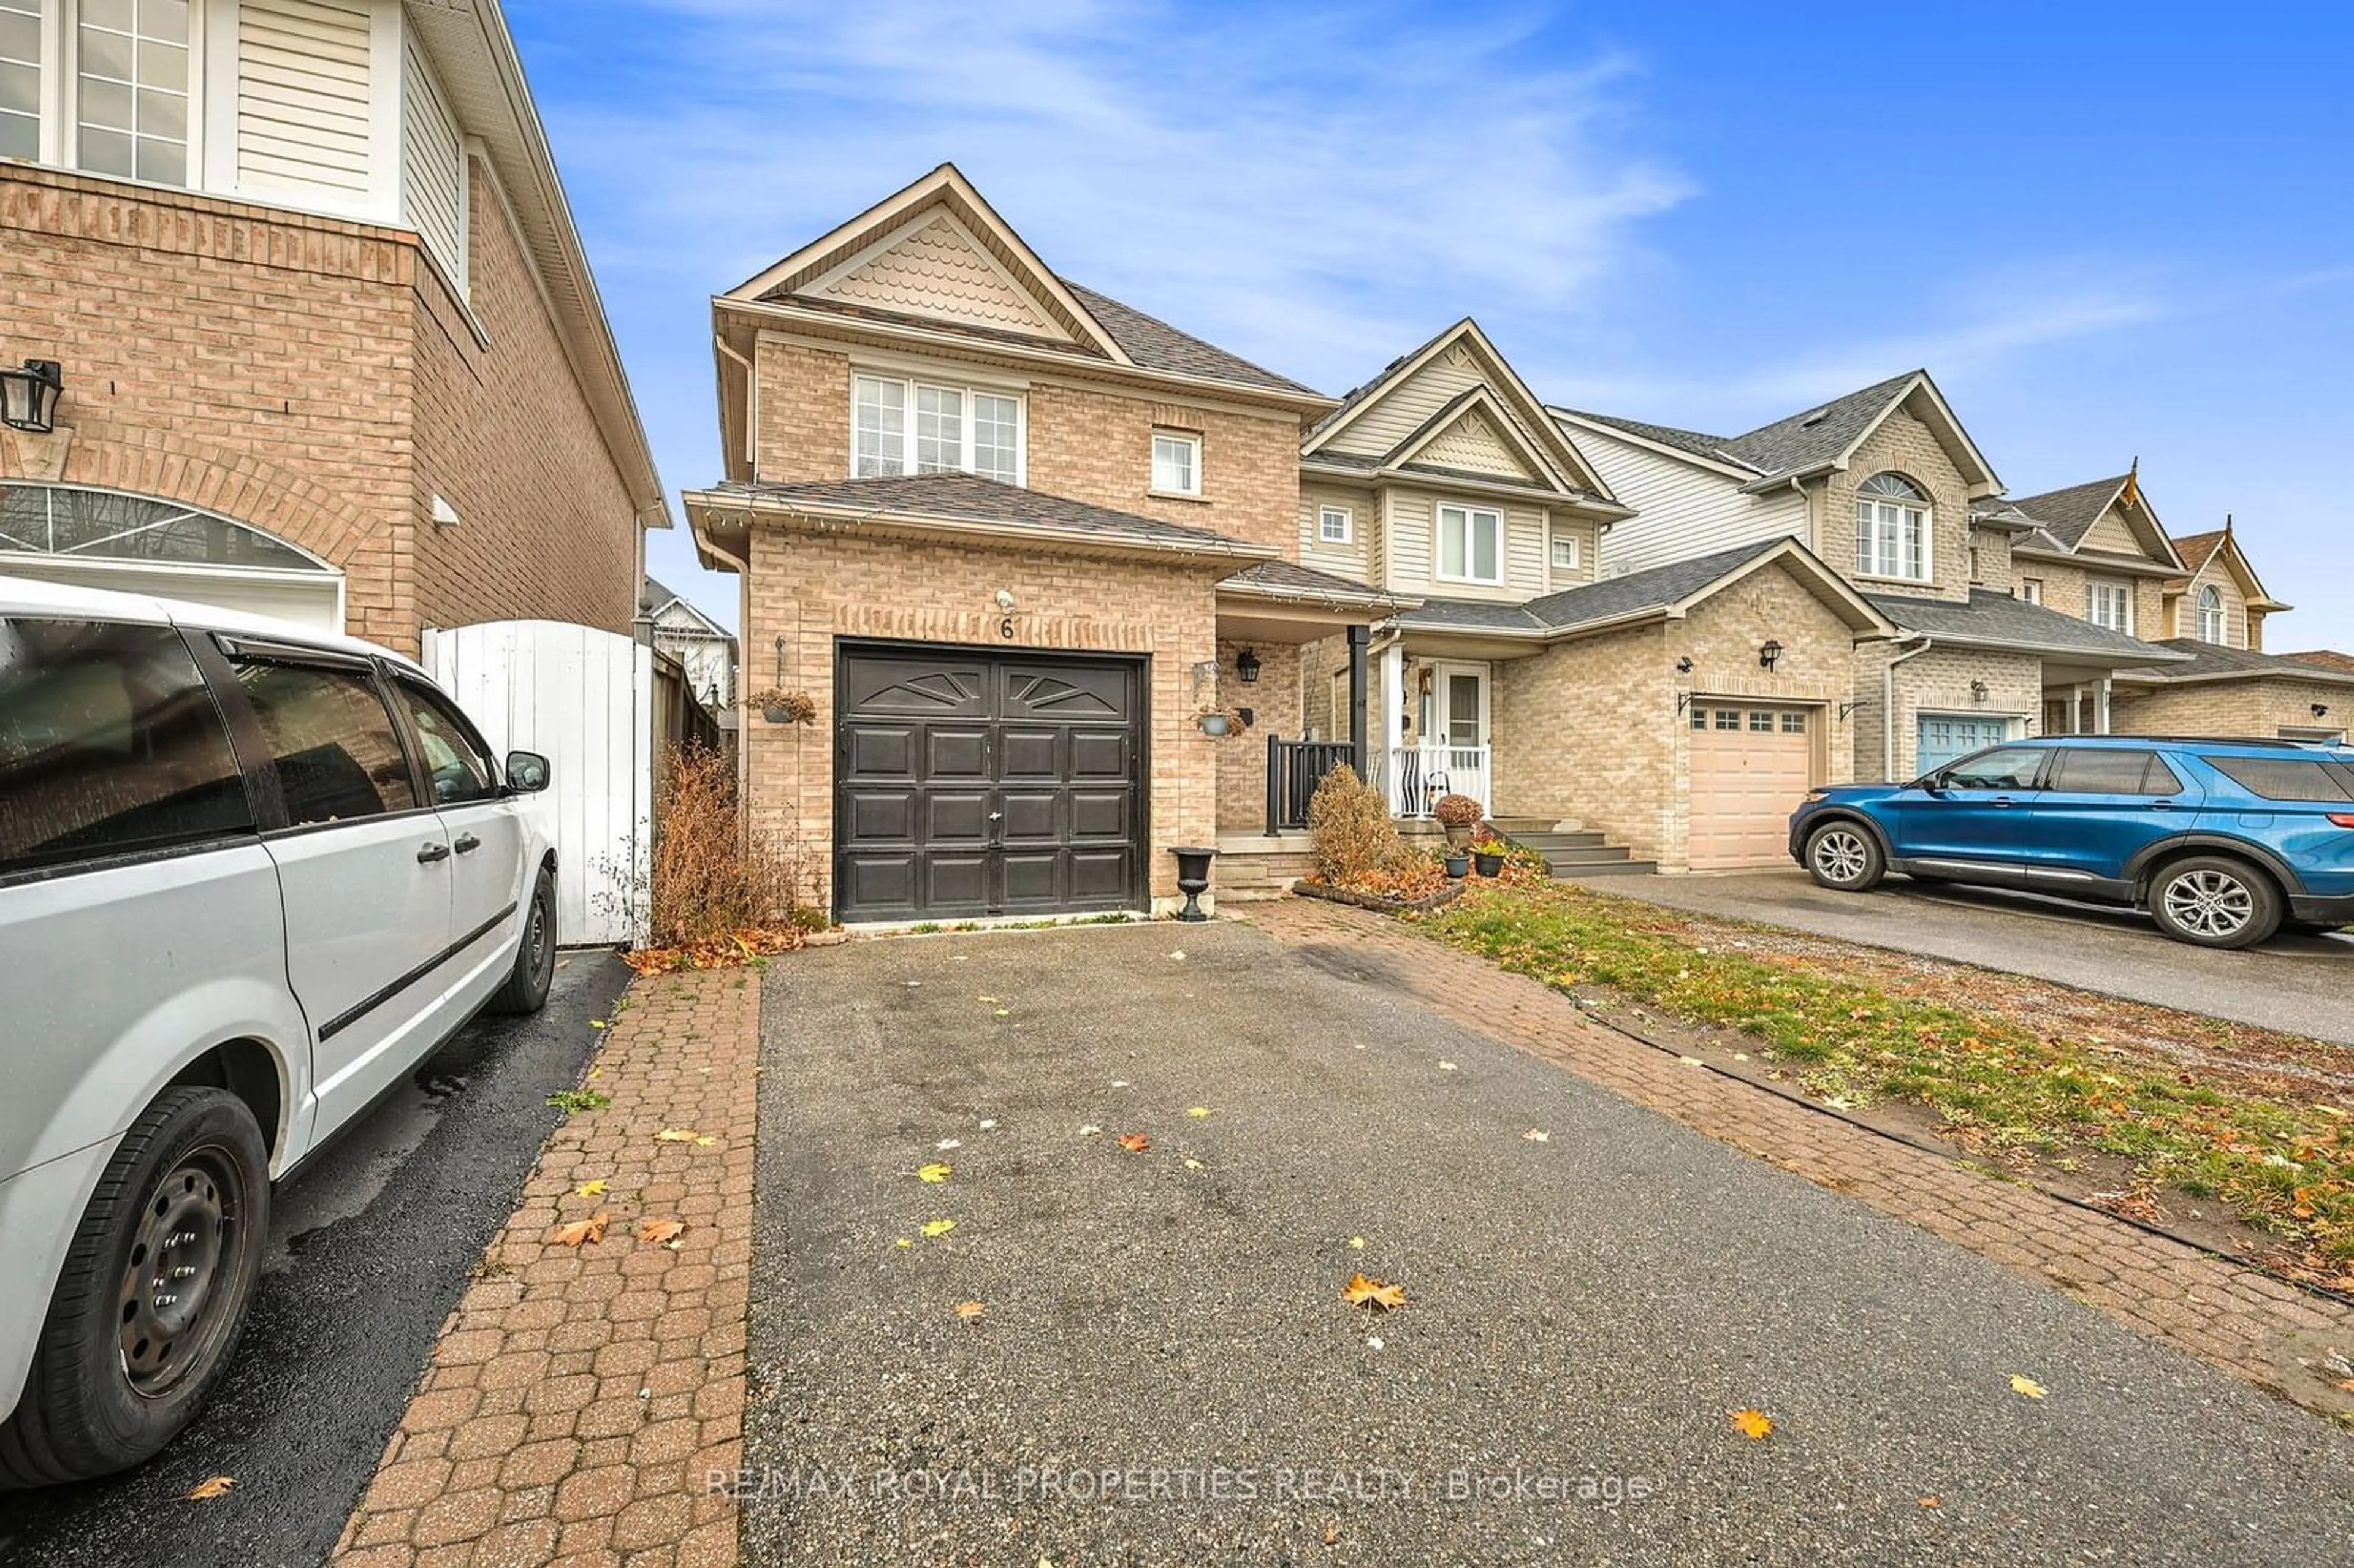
<point>2109,229</point>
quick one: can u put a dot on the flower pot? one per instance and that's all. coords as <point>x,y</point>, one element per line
<point>777,715</point>
<point>1460,837</point>
<point>1192,878</point>
<point>1489,865</point>
<point>1217,723</point>
<point>1459,865</point>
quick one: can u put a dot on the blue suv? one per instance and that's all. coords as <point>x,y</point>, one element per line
<point>2222,840</point>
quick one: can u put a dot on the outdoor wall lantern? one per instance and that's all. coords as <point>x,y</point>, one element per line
<point>2321,710</point>
<point>28,398</point>
<point>1684,665</point>
<point>1246,666</point>
<point>1769,655</point>
<point>1977,691</point>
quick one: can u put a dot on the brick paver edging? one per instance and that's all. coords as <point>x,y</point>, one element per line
<point>578,1398</point>
<point>2235,1317</point>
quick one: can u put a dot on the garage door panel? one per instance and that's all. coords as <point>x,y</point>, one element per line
<point>974,783</point>
<point>1750,767</point>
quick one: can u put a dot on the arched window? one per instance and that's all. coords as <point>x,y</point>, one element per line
<point>2211,614</point>
<point>1891,528</point>
<point>103,524</point>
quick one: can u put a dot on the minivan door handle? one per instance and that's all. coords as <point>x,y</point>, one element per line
<point>426,854</point>
<point>468,844</point>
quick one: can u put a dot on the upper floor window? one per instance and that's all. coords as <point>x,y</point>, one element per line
<point>133,92</point>
<point>2030,590</point>
<point>1334,526</point>
<point>1470,545</point>
<point>1891,528</point>
<point>2211,614</point>
<point>2110,605</point>
<point>20,78</point>
<point>922,427</point>
<point>1176,463</point>
<point>1565,551</point>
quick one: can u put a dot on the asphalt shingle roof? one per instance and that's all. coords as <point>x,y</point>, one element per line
<point>2198,549</point>
<point>1998,619</point>
<point>2324,658</point>
<point>2212,660</point>
<point>1591,604</point>
<point>1290,578</point>
<point>1155,345</point>
<point>2068,513</point>
<point>967,498</point>
<point>1802,441</point>
<point>653,596</point>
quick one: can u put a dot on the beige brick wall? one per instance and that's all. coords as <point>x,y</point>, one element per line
<point>1904,443</point>
<point>1994,571</point>
<point>2260,708</point>
<point>303,375</point>
<point>1085,442</point>
<point>505,435</point>
<point>1936,682</point>
<point>813,591</point>
<point>2063,594</point>
<point>1274,702</point>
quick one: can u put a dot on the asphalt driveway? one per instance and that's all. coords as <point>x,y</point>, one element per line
<point>1163,1370</point>
<point>2294,983</point>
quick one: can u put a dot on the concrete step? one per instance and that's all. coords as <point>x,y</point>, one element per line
<point>1565,860</point>
<point>1514,827</point>
<point>1547,843</point>
<point>1608,868</point>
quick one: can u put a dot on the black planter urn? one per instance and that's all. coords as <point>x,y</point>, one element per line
<point>1193,879</point>
<point>1458,865</point>
<point>1489,865</point>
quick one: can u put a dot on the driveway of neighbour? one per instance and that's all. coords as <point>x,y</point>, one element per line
<point>1162,1368</point>
<point>2293,983</point>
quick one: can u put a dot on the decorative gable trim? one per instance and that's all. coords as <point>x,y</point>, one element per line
<point>1470,430</point>
<point>932,265</point>
<point>824,262</point>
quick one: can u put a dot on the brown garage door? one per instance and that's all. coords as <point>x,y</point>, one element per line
<point>1751,765</point>
<point>972,783</point>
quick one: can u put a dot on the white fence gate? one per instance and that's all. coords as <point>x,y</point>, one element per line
<point>584,699</point>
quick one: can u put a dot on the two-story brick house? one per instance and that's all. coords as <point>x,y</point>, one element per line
<point>1025,547</point>
<point>329,343</point>
<point>1887,486</point>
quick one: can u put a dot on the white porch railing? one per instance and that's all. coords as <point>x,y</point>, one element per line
<point>1415,777</point>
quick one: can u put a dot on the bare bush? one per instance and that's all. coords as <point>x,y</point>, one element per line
<point>1349,824</point>
<point>712,877</point>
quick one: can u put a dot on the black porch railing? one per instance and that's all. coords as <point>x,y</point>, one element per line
<point>1294,769</point>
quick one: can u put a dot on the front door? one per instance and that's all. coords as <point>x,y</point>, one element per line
<point>971,783</point>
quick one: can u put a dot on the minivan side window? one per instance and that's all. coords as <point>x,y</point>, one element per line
<point>455,759</point>
<point>109,745</point>
<point>337,753</point>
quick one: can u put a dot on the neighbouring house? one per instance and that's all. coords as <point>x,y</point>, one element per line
<point>328,342</point>
<point>1025,548</point>
<point>1679,711</point>
<point>2325,658</point>
<point>704,649</point>
<point>2009,618</point>
<point>2220,600</point>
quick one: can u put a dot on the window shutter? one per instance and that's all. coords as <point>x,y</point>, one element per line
<point>303,102</point>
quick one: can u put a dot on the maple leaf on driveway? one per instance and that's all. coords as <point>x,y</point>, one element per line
<point>210,1488</point>
<point>591,1229</point>
<point>662,1232</point>
<point>1754,1424</point>
<point>1363,1291</point>
<point>1135,1142</point>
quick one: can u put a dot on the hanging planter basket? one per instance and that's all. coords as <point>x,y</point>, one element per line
<point>784,707</point>
<point>1219,723</point>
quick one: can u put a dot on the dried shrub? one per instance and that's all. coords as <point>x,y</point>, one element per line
<point>1457,811</point>
<point>1349,825</point>
<point>718,886</point>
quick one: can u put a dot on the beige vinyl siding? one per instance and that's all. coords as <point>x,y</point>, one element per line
<point>2217,576</point>
<point>1525,551</point>
<point>302,107</point>
<point>1349,560</point>
<point>432,169</point>
<point>1472,444</point>
<point>1683,511</point>
<point>1414,546</point>
<point>1589,539</point>
<point>1404,409</point>
<point>2110,536</point>
<point>1406,521</point>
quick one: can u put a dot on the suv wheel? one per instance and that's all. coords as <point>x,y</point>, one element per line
<point>1845,857</point>
<point>2215,901</point>
<point>535,961</point>
<point>152,1295</point>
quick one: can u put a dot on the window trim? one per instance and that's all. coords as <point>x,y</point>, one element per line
<point>1927,542</point>
<point>1192,441</point>
<point>60,97</point>
<point>910,384</point>
<point>2095,589</point>
<point>1554,539</point>
<point>2030,590</point>
<point>1471,555</point>
<point>2222,616</point>
<point>1348,516</point>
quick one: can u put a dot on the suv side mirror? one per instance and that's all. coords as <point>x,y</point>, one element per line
<point>527,772</point>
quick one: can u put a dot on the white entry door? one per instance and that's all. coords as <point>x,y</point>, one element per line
<point>1459,716</point>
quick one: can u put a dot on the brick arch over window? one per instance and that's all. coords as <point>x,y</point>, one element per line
<point>371,550</point>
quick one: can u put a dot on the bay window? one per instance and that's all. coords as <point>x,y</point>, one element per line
<point>2109,605</point>
<point>923,426</point>
<point>1470,545</point>
<point>1891,529</point>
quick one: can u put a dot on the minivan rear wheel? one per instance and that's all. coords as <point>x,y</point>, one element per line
<point>1845,857</point>
<point>535,961</point>
<point>153,1295</point>
<point>2215,901</point>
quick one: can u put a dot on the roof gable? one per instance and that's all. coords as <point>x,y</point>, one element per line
<point>2202,552</point>
<point>1417,397</point>
<point>1471,434</point>
<point>936,249</point>
<point>2109,516</point>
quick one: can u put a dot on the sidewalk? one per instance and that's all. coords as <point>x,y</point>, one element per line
<point>579,1395</point>
<point>2244,1321</point>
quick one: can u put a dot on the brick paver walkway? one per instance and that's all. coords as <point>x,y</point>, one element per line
<point>579,1396</point>
<point>2245,1322</point>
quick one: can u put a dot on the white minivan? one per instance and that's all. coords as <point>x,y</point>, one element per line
<point>250,874</point>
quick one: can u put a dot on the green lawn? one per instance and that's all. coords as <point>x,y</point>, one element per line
<point>2284,1165</point>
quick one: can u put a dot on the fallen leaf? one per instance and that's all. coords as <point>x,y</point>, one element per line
<point>1446,1066</point>
<point>947,1143</point>
<point>1331,1535</point>
<point>1135,1142</point>
<point>939,1227</point>
<point>1360,1289</point>
<point>934,1173</point>
<point>660,1230</point>
<point>1090,1130</point>
<point>989,999</point>
<point>211,1488</point>
<point>905,1241</point>
<point>597,1023</point>
<point>1192,1163</point>
<point>988,1123</point>
<point>597,1072</point>
<point>1357,1242</point>
<point>681,1135</point>
<point>1119,1083</point>
<point>1753,1425</point>
<point>1178,954</point>
<point>1691,1061</point>
<point>968,1311</point>
<point>1933,1502</point>
<point>591,1229</point>
<point>1005,1012</point>
<point>590,1189</point>
<point>2026,1385</point>
<point>1373,1343</point>
<point>1197,1112</point>
<point>1534,1136</point>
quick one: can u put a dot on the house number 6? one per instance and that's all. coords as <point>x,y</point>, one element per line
<point>1005,629</point>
